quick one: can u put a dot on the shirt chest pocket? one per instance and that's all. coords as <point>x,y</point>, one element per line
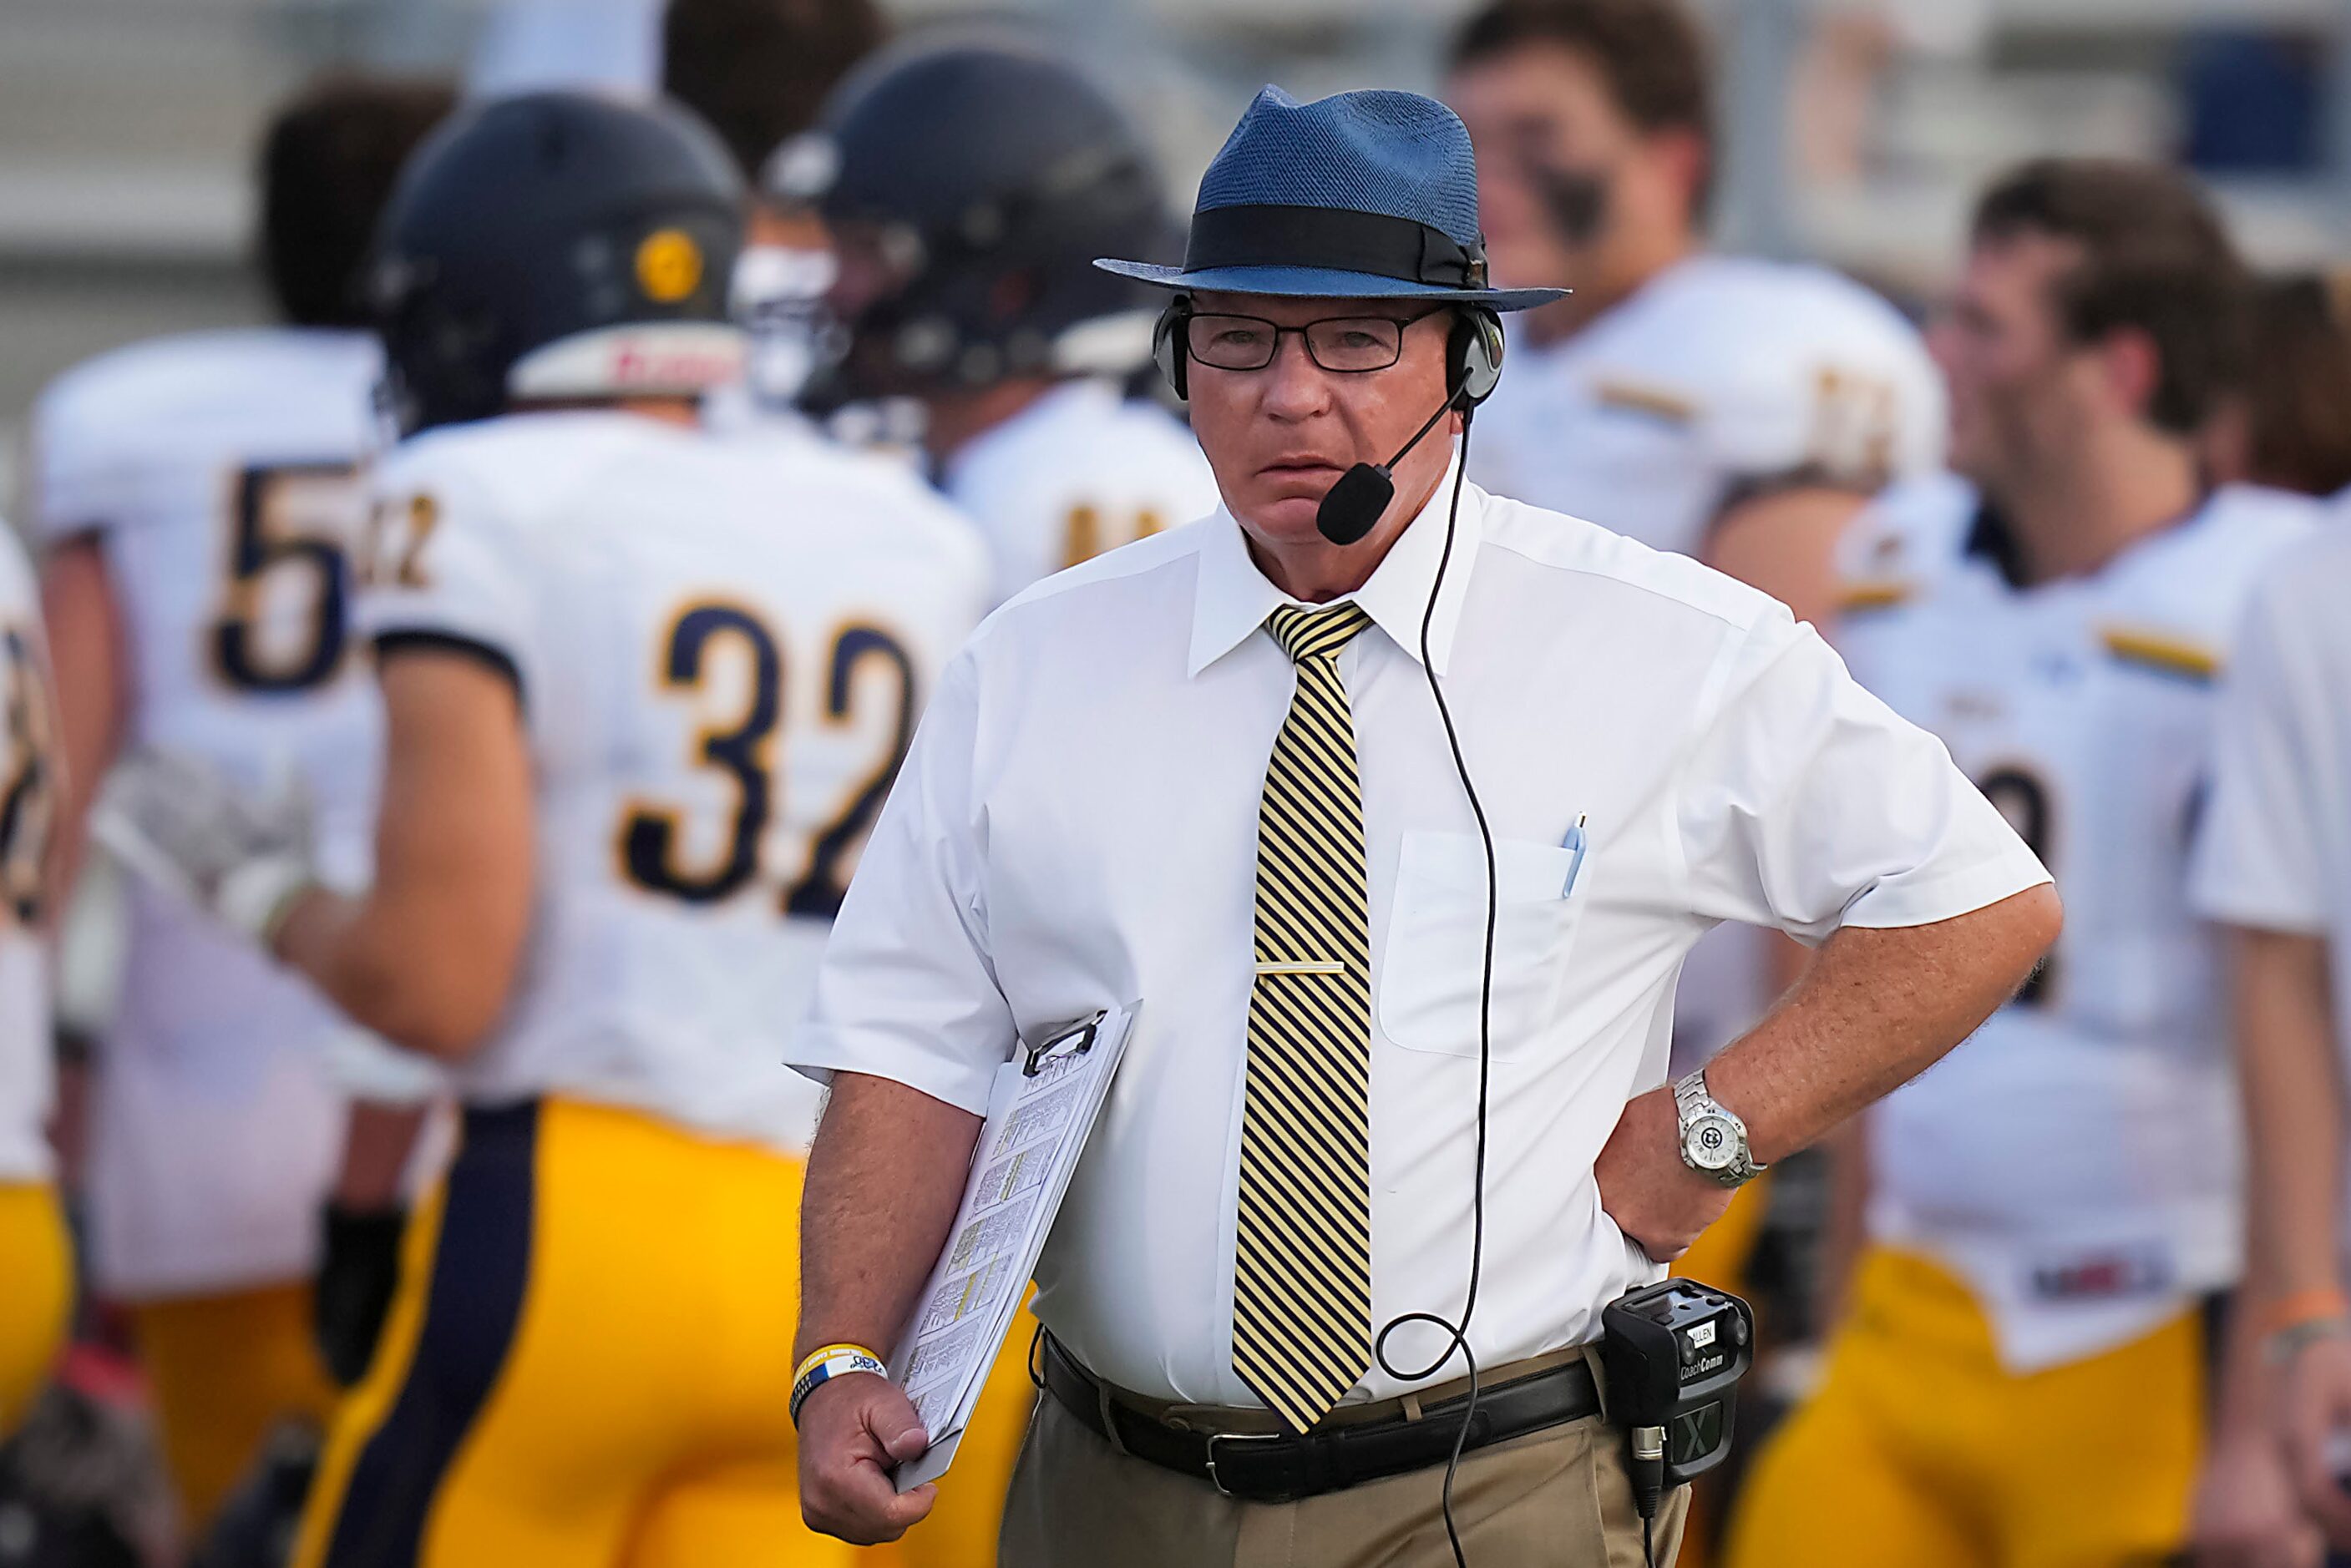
<point>1434,956</point>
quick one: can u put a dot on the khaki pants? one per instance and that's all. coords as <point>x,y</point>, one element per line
<point>1558,1498</point>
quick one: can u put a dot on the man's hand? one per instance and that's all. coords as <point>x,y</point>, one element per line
<point>183,824</point>
<point>1654,1197</point>
<point>2317,1394</point>
<point>854,1428</point>
<point>2246,1513</point>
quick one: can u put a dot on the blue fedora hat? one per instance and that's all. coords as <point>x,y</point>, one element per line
<point>1362,196</point>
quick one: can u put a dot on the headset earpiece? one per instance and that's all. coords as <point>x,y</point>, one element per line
<point>1167,346</point>
<point>1473,356</point>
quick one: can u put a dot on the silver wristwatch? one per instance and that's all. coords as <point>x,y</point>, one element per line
<point>1714,1140</point>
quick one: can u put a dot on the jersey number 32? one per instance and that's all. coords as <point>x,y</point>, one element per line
<point>650,837</point>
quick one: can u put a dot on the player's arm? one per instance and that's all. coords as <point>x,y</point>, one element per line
<point>426,957</point>
<point>2294,1105</point>
<point>88,662</point>
<point>2293,1094</point>
<point>2262,874</point>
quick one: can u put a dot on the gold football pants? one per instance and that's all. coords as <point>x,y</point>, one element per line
<point>1920,1450</point>
<point>225,1371</point>
<point>36,1266</point>
<point>589,1365</point>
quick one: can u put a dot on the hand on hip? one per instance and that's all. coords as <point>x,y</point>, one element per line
<point>1654,1197</point>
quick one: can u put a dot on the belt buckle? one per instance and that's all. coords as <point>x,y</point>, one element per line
<point>1268,1438</point>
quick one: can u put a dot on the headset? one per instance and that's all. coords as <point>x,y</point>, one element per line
<point>1350,510</point>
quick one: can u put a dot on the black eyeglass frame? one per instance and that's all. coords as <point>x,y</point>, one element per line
<point>1279,332</point>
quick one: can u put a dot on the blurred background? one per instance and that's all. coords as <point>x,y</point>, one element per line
<point>1853,130</point>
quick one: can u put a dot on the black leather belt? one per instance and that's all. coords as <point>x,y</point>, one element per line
<point>1278,1467</point>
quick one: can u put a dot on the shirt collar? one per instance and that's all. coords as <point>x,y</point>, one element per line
<point>1233,597</point>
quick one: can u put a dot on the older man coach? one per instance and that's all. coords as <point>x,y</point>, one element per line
<point>1401,843</point>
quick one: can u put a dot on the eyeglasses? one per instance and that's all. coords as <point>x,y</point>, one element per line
<point>1345,344</point>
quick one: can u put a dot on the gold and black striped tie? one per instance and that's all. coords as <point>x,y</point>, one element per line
<point>1302,1271</point>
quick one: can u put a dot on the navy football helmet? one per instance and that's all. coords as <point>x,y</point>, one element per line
<point>969,185</point>
<point>558,245</point>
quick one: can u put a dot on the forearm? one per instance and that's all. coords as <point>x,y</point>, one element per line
<point>87,665</point>
<point>883,1182</point>
<point>2294,1092</point>
<point>383,969</point>
<point>1874,1010</point>
<point>426,956</point>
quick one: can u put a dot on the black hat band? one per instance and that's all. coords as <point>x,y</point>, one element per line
<point>1335,239</point>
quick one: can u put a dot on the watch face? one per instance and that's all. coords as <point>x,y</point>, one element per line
<point>1711,1143</point>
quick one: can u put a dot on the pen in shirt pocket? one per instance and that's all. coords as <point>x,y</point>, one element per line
<point>1574,844</point>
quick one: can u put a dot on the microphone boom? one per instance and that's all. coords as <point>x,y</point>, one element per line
<point>1353,506</point>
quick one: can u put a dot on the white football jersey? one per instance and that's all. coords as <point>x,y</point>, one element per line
<point>1076,472</point>
<point>721,646</point>
<point>2078,1158</point>
<point>1721,375</point>
<point>2275,850</point>
<point>28,785</point>
<point>220,473</point>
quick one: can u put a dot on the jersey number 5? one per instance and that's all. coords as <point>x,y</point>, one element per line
<point>648,833</point>
<point>287,525</point>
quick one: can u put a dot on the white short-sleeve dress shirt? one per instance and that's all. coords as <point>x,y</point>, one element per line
<point>1077,826</point>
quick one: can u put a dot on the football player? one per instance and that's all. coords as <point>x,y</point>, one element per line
<point>1714,405</point>
<point>1728,408</point>
<point>35,1256</point>
<point>2265,867</point>
<point>970,186</point>
<point>2020,1377</point>
<point>644,689</point>
<point>2271,867</point>
<point>198,495</point>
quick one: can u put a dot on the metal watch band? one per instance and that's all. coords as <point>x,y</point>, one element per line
<point>1691,1101</point>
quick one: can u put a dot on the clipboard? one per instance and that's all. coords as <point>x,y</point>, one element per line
<point>1041,1109</point>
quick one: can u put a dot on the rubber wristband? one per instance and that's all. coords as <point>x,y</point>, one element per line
<point>2284,1346</point>
<point>820,1366</point>
<point>2293,1310</point>
<point>809,1362</point>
